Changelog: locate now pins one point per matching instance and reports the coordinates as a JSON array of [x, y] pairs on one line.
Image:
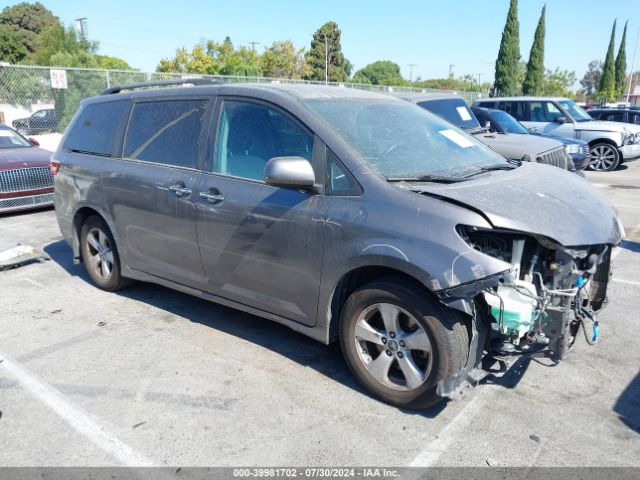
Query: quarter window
[[166, 132], [94, 131], [250, 134], [339, 180]]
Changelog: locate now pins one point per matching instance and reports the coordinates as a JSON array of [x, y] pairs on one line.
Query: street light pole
[[633, 64], [326, 58]]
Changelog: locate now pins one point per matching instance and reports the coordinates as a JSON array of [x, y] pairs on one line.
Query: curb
[[18, 256]]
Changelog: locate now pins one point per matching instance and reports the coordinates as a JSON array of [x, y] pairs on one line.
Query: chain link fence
[[37, 100]]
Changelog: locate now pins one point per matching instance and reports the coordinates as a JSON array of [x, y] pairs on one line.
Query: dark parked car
[[454, 109], [623, 115], [25, 178], [501, 122], [343, 214], [41, 121]]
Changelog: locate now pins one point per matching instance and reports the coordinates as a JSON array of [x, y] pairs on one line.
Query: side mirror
[[560, 120], [34, 142], [487, 125], [294, 172]]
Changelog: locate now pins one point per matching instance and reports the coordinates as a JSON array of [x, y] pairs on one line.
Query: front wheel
[[604, 157], [100, 256], [399, 343]]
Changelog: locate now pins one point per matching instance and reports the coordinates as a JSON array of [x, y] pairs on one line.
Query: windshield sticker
[[457, 138], [464, 113], [6, 133]]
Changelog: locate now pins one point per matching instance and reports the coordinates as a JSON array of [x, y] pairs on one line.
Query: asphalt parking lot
[[149, 376]]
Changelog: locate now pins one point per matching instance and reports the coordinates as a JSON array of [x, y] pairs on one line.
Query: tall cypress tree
[[607, 90], [621, 64], [506, 78], [534, 78]]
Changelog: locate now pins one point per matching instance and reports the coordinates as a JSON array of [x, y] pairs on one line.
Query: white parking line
[[454, 430], [80, 420], [627, 282], [626, 206]]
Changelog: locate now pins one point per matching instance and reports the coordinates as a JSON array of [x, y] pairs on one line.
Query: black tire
[[604, 157], [445, 329], [96, 257]]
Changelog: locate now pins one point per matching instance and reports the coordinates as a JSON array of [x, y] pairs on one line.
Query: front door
[[153, 192], [261, 245], [542, 118]]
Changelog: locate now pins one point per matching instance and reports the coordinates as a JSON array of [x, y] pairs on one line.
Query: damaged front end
[[535, 308]]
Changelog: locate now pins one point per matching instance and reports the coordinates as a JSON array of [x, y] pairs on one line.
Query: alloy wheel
[[393, 347], [603, 158], [100, 253]]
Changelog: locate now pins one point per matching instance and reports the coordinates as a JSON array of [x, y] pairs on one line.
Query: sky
[[431, 34]]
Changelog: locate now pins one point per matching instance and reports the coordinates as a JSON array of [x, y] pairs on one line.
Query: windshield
[[506, 123], [578, 114], [401, 140], [11, 139], [453, 110]]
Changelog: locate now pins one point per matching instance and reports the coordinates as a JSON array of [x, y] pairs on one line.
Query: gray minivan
[[343, 214]]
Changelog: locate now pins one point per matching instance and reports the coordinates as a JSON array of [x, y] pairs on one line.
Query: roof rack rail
[[162, 83]]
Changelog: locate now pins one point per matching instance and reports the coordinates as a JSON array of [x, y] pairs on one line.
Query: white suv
[[610, 142]]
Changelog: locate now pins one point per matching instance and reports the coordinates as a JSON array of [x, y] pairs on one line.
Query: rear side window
[[517, 110], [95, 129], [166, 132]]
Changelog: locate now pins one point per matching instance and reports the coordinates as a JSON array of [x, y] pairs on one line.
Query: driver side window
[[250, 134]]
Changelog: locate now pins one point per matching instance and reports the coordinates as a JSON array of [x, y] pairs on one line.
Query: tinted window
[[250, 134], [166, 132], [517, 110], [488, 104], [634, 118], [483, 118], [339, 180], [612, 116], [454, 110], [95, 128], [506, 123]]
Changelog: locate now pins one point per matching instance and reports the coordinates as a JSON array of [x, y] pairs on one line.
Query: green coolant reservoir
[[513, 311]]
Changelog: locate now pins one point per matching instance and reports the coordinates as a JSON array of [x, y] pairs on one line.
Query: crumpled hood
[[604, 126], [515, 146], [538, 199]]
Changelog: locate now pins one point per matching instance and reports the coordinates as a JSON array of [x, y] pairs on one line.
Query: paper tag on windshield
[[6, 133], [456, 138], [464, 113]]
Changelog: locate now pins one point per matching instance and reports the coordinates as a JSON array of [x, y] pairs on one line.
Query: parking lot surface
[[149, 376]]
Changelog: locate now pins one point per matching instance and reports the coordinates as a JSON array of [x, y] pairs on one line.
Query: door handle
[[180, 190], [212, 197]]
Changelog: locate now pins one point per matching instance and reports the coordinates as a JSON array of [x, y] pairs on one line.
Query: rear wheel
[[399, 343], [604, 157], [100, 256]]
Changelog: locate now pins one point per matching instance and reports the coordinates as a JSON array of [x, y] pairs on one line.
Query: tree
[[283, 60], [559, 83], [534, 78], [112, 63], [12, 49], [621, 64], [327, 36], [607, 88], [26, 21], [508, 60], [591, 80], [382, 72]]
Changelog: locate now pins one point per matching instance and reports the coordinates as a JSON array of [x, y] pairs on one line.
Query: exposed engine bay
[[539, 306]]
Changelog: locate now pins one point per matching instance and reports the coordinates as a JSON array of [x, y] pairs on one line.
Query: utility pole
[[479, 81], [253, 45], [633, 64], [451, 70], [82, 25], [411, 65], [326, 58]]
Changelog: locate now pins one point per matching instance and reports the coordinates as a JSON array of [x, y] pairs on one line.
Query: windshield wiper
[[491, 168], [427, 178]]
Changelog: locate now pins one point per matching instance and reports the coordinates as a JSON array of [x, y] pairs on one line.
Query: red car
[[26, 180]]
